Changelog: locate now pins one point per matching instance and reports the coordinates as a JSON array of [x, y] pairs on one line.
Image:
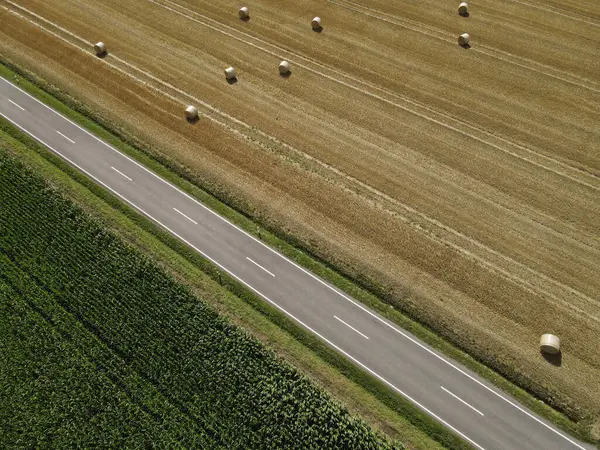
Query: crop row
[[62, 389], [230, 389]]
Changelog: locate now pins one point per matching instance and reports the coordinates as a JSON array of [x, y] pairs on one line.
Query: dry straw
[[100, 48], [191, 112], [230, 73], [550, 344], [284, 67]]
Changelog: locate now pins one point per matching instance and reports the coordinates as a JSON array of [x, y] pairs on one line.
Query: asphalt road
[[480, 413]]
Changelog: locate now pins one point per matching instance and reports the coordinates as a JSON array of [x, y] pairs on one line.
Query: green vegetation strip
[[98, 338], [414, 422], [395, 415], [366, 291]]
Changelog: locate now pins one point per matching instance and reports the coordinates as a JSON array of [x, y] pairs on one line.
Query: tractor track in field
[[560, 12], [531, 280], [586, 176], [582, 176], [487, 50]]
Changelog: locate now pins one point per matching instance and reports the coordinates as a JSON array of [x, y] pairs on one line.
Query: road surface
[[484, 416]]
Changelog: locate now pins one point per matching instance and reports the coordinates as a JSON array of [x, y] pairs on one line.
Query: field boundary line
[[559, 301], [334, 289], [412, 102], [561, 165], [185, 241], [258, 143]]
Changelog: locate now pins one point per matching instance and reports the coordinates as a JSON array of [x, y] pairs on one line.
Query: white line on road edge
[[68, 139], [182, 239], [18, 106], [351, 327], [341, 294], [461, 400], [188, 218], [119, 172], [253, 262]]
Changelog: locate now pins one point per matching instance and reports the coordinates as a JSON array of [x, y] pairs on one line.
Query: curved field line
[[445, 37], [536, 289], [559, 168], [555, 10]]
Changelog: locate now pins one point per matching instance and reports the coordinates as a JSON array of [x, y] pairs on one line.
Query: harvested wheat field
[[463, 183]]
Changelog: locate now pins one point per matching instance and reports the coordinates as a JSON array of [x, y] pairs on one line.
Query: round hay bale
[[463, 9], [191, 112], [464, 39], [550, 344], [230, 73], [284, 67], [316, 23], [244, 13], [100, 48]]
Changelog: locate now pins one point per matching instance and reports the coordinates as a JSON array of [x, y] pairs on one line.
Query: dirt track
[[466, 177]]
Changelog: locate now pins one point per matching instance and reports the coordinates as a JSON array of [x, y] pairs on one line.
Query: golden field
[[462, 183]]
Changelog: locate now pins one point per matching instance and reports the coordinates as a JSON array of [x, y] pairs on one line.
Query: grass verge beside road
[[348, 384], [102, 348], [178, 176]]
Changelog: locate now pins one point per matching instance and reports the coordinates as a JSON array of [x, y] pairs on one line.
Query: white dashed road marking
[[188, 218], [18, 106], [351, 327], [461, 400], [255, 263], [121, 173], [68, 139]]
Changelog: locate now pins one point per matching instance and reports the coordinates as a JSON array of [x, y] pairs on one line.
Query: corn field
[[100, 348]]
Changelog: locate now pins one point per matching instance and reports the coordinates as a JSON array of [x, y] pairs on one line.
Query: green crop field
[[100, 348]]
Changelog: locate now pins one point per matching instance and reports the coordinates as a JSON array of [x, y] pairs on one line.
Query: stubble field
[[462, 183]]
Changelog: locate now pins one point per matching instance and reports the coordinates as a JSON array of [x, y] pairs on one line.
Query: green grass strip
[[400, 418], [396, 405], [232, 391], [287, 245]]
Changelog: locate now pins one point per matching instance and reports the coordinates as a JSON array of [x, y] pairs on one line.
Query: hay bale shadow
[[466, 14], [232, 80], [319, 29], [554, 359], [286, 75], [102, 55], [192, 121], [245, 19], [467, 46]]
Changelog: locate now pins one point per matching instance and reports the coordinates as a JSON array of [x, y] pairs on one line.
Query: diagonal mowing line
[[333, 345], [490, 265], [560, 164], [443, 36], [341, 294], [554, 11]]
